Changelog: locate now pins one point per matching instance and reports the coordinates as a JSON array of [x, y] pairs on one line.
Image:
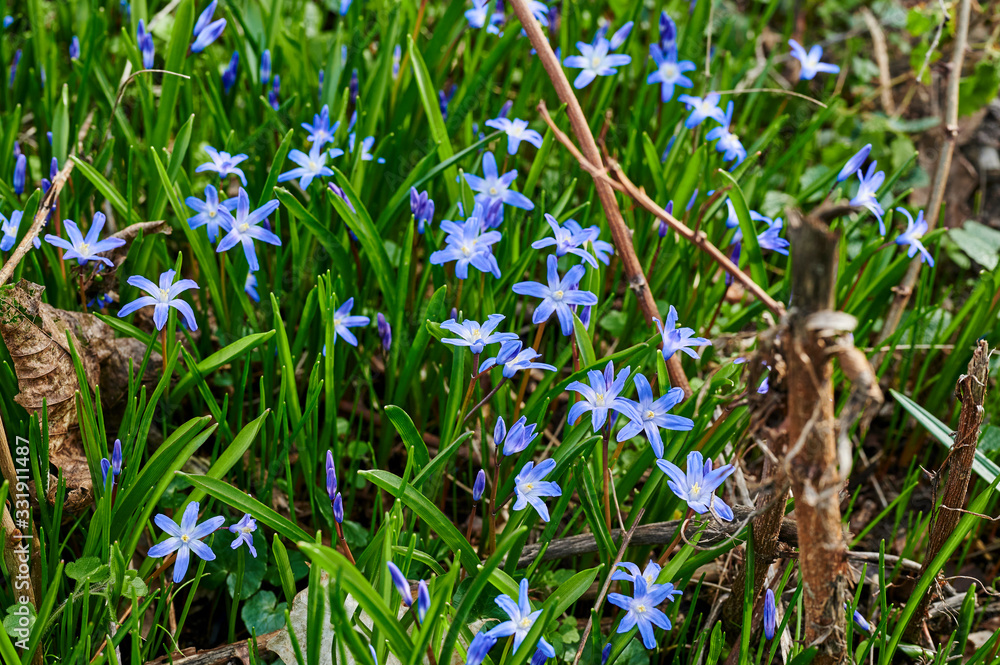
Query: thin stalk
[[493, 502], [525, 375], [347, 549], [607, 474], [485, 399], [163, 344]]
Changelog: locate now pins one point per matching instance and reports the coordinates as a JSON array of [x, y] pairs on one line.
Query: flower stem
[[163, 344], [677, 537], [607, 475], [493, 502], [343, 541], [485, 399], [524, 377]]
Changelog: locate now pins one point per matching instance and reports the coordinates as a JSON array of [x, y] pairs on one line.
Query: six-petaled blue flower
[[558, 295]]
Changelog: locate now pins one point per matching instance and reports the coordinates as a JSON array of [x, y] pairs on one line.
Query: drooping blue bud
[[338, 508], [423, 600], [854, 163], [479, 486], [770, 615], [229, 76], [331, 476], [402, 586], [19, 173], [74, 48], [265, 66]]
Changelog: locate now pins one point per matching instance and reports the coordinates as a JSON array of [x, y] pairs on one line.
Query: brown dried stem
[[620, 233]]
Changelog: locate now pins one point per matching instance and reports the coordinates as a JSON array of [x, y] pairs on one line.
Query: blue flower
[[397, 56], [770, 615], [423, 600], [479, 486], [272, 97], [771, 238], [697, 487], [162, 297], [911, 236], [245, 229], [678, 339], [641, 609], [494, 187], [74, 48], [558, 295], [343, 321], [530, 488], [477, 16], [467, 244], [211, 213], [515, 359], [8, 21], [147, 50], [185, 539], [566, 240], [265, 66], [311, 166], [603, 250], [702, 109], [729, 143], [331, 476], [401, 584], [320, 132], [229, 75], [668, 32], [606, 651], [345, 6], [860, 620], [244, 533], [521, 617], [113, 465], [223, 163], [366, 146], [82, 248], [13, 67], [669, 72], [205, 30], [811, 64], [9, 229], [653, 415], [632, 571], [621, 34], [444, 98], [20, 170], [479, 647], [384, 331], [595, 60], [870, 182], [854, 163], [602, 396], [250, 287], [517, 131], [338, 508], [475, 336], [422, 207]]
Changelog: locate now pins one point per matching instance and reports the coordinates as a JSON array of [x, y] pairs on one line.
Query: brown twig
[[905, 288], [626, 186], [971, 391], [620, 233]]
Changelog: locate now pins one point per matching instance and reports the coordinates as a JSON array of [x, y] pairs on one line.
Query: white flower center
[[600, 398], [696, 489], [336, 322], [244, 227], [185, 538], [669, 71], [529, 487], [526, 622], [312, 165], [164, 295], [641, 609], [557, 295], [650, 415], [211, 213], [493, 191], [85, 249], [595, 62]]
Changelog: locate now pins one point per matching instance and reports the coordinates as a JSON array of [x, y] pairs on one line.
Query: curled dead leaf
[[35, 334]]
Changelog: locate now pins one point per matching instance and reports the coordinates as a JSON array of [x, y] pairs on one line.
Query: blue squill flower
[[207, 31], [101, 302], [8, 21], [310, 167], [250, 287], [422, 207], [352, 93], [87, 248], [513, 358], [697, 486], [338, 509], [621, 34], [729, 143], [517, 131], [522, 618], [772, 240], [669, 72], [602, 396], [654, 416], [479, 13], [854, 163], [479, 486], [345, 6], [678, 339], [770, 615], [147, 50], [911, 236], [558, 295], [640, 609], [384, 331], [244, 533], [566, 241], [475, 336], [811, 64], [113, 465], [479, 647], [185, 539], [223, 163], [668, 32], [496, 187], [402, 585], [423, 600], [265, 67], [595, 60], [211, 213], [605, 653], [603, 250], [162, 297], [631, 572], [866, 198], [74, 48], [397, 56], [13, 67], [467, 244], [10, 229], [860, 620], [272, 97], [331, 476], [444, 98], [20, 169], [246, 228], [229, 75], [530, 488], [366, 146], [320, 131], [702, 109], [343, 320]]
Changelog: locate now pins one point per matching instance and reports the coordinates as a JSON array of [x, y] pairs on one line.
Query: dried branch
[[620, 233]]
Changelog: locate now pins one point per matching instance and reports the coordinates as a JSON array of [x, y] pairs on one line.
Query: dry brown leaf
[[35, 335]]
